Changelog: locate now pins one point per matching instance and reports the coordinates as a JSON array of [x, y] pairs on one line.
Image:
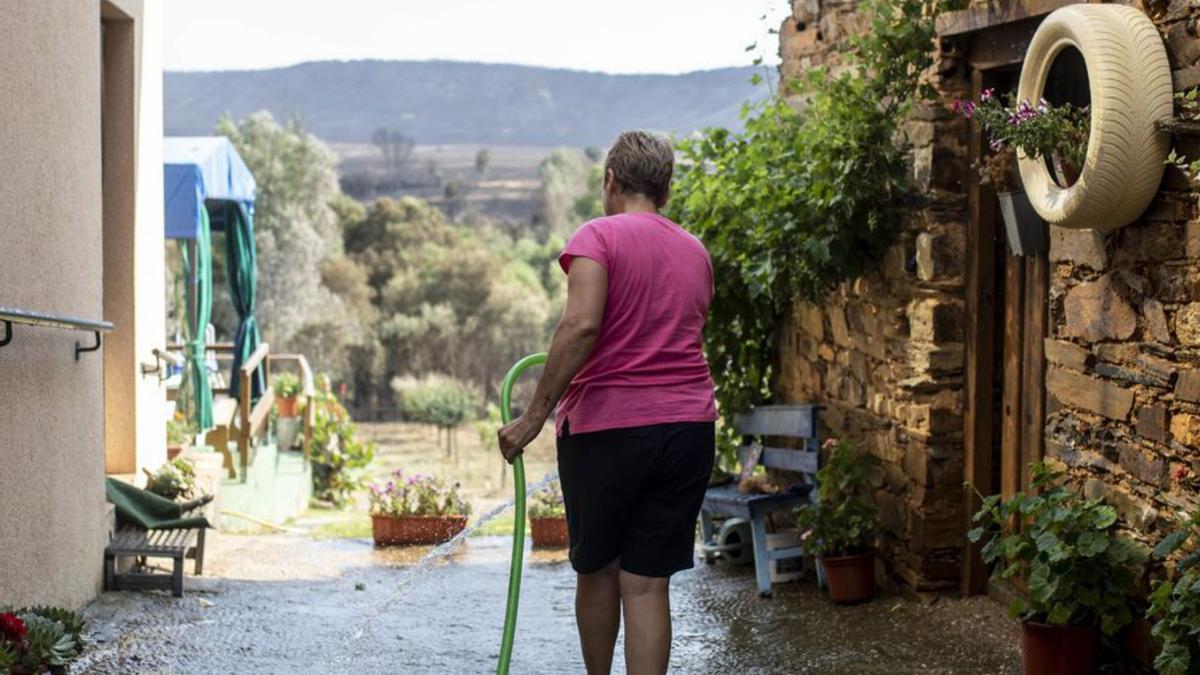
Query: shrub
[[844, 521], [436, 399], [1175, 604], [39, 639], [548, 503], [1078, 571], [176, 478], [338, 456], [417, 495]]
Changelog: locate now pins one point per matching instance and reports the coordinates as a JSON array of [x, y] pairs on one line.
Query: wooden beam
[[1001, 46], [991, 15], [1037, 280], [980, 345], [1012, 424]]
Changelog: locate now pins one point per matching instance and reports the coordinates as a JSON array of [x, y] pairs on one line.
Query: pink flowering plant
[[417, 495], [1037, 131]]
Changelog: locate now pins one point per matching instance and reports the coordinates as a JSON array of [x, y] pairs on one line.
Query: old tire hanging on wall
[[1130, 88]]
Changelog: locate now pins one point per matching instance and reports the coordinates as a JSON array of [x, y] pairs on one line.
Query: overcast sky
[[616, 36]]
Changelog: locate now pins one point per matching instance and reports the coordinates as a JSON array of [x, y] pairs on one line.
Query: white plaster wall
[[149, 268], [52, 509]]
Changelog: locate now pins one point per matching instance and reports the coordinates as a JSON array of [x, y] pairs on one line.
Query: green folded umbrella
[[149, 511]]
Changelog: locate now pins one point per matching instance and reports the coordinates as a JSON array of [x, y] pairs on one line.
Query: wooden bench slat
[[795, 421], [789, 459]]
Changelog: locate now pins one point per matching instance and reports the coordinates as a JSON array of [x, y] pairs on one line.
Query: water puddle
[[440, 553]]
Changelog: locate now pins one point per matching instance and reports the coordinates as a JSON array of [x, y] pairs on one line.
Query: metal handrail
[[10, 316]]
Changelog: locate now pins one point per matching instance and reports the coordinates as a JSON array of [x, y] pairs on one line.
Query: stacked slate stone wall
[[885, 353]]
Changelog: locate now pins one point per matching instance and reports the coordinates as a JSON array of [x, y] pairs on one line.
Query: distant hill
[[454, 102]]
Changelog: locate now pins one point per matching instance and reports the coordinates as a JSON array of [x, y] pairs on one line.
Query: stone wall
[[884, 353]]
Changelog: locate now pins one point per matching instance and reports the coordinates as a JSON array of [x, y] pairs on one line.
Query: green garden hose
[[518, 549]]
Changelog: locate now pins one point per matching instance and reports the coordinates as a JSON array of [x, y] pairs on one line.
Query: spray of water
[[439, 553]]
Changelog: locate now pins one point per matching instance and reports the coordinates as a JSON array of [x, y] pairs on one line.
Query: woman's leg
[[598, 615], [647, 605]]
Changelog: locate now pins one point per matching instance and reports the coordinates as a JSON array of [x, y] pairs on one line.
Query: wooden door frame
[[994, 40]]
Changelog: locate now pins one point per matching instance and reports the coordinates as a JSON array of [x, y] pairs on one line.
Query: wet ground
[[288, 603]]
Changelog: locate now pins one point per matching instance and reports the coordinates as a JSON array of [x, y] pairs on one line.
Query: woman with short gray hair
[[635, 410]]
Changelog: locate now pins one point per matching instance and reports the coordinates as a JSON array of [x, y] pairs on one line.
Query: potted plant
[[287, 394], [840, 529], [174, 480], [416, 510], [1078, 572], [179, 432], [39, 640], [1055, 134], [1175, 604], [548, 517]]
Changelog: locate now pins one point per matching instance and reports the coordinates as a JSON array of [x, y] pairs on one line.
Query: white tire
[[1130, 85]]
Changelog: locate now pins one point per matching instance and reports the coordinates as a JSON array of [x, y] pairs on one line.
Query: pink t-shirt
[[648, 364]]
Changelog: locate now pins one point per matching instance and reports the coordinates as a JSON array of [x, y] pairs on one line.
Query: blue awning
[[197, 169]]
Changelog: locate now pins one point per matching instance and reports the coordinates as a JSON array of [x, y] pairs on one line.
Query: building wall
[[53, 517], [885, 353], [1123, 352], [134, 270]]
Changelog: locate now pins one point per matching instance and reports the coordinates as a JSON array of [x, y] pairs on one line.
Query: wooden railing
[[250, 419]]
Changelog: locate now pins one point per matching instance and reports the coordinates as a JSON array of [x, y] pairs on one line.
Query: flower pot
[[1057, 650], [287, 406], [851, 578], [287, 431], [549, 532], [174, 451], [415, 530], [1027, 232]]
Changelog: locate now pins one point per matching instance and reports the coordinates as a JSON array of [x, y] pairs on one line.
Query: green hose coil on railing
[[518, 550]]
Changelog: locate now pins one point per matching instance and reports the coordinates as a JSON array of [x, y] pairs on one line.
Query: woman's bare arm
[[574, 338]]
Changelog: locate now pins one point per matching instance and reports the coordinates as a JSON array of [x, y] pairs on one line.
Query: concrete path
[[292, 604]]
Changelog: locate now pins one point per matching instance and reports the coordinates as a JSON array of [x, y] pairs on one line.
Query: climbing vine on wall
[[801, 200]]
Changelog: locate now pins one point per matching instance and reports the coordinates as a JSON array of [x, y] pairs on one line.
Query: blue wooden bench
[[780, 421]]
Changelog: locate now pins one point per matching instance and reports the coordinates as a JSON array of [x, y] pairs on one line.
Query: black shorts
[[634, 494]]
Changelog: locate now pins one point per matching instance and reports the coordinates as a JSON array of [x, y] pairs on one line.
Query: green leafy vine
[[801, 200]]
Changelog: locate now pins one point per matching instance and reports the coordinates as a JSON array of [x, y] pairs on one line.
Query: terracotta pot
[[851, 578], [173, 451], [414, 530], [549, 532], [287, 406], [1057, 650]]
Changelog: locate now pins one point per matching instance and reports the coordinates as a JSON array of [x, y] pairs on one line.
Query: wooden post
[[1034, 356], [1012, 430], [980, 305]]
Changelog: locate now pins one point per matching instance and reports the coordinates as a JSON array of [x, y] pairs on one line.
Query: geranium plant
[[548, 503], [1036, 131], [39, 640], [417, 495], [844, 521], [1175, 603], [1078, 571]]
